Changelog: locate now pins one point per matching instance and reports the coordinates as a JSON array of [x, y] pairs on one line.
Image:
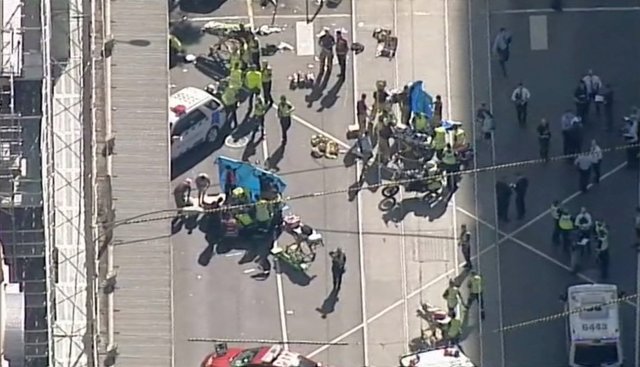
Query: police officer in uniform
[[439, 141], [454, 331], [452, 296], [342, 49], [503, 198], [253, 82], [253, 48], [520, 188], [464, 242], [450, 166], [475, 292], [555, 212], [544, 138], [285, 109], [230, 102], [602, 251], [267, 75], [259, 110], [566, 226], [338, 267]]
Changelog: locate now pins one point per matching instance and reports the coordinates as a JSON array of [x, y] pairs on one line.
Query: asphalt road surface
[[403, 257]]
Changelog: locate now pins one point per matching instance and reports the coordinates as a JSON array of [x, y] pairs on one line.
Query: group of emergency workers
[[448, 144], [251, 78], [569, 230], [261, 214], [453, 327]]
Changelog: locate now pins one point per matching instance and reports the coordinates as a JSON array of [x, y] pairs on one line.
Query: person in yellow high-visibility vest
[[267, 75], [450, 165], [245, 55], [439, 140], [452, 296], [476, 285], [459, 138], [566, 226], [285, 110], [259, 110], [421, 123], [230, 102], [263, 214], [454, 331], [235, 60], [253, 82]]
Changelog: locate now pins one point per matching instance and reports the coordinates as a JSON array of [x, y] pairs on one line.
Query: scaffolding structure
[[71, 335]]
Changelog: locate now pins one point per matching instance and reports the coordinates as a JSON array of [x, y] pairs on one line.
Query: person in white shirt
[[596, 156], [520, 97], [584, 223], [594, 84], [501, 48], [584, 162]]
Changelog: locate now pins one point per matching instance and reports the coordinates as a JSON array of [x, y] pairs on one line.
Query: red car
[[267, 356]]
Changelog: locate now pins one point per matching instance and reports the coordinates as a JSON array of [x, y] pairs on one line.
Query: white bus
[[195, 117], [593, 325]]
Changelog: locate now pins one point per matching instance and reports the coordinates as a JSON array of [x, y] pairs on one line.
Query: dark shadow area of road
[[329, 304], [197, 155], [206, 255], [330, 99], [245, 128], [200, 6], [250, 149], [296, 276], [431, 210], [187, 32]]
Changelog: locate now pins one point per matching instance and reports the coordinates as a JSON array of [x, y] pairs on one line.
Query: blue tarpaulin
[[247, 176], [421, 101]]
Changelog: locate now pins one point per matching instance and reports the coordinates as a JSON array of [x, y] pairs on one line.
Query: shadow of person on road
[[329, 304], [274, 159], [330, 99], [206, 255], [318, 89]]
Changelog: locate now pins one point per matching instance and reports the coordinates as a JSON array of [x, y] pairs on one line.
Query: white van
[[195, 117], [593, 325]]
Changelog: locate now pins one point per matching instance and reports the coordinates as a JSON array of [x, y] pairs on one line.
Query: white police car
[[195, 117], [593, 325]]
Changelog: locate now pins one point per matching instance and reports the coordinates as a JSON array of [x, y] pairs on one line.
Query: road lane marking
[[454, 216], [637, 344], [538, 33], [568, 10], [475, 164], [508, 237], [279, 286], [359, 168], [403, 241], [265, 17], [493, 162], [305, 39]]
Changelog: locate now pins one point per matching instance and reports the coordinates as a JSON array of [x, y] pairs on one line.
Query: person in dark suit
[[520, 187], [503, 196], [338, 267]]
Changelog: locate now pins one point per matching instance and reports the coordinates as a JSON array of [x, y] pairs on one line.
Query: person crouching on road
[[453, 297], [454, 330]]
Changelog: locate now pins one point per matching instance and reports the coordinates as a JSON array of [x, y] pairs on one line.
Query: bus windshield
[[596, 355]]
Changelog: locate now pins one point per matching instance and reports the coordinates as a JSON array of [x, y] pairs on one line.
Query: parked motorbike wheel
[[390, 191]]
